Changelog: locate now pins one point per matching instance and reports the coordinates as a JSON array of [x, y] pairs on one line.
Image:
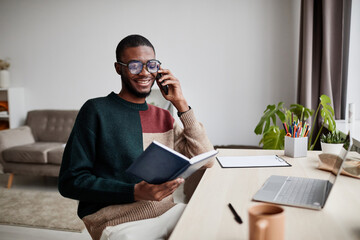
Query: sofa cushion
[[15, 136], [55, 155], [51, 125], [29, 153]]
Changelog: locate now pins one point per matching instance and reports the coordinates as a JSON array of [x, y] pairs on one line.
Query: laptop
[[303, 192]]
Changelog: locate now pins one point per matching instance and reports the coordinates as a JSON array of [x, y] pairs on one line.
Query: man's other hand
[[155, 192]]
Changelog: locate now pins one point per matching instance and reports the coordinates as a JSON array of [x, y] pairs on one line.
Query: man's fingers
[[166, 76], [168, 190], [175, 182], [146, 191], [172, 82]]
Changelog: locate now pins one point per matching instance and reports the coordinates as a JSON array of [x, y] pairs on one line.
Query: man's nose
[[144, 71]]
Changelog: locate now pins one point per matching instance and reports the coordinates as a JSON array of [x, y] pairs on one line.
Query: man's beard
[[132, 90]]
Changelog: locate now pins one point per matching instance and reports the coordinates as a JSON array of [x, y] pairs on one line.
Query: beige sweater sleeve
[[191, 141]]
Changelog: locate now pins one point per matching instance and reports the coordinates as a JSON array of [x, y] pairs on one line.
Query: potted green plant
[[273, 136], [327, 115], [332, 142]]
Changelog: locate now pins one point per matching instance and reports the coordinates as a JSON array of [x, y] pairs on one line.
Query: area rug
[[39, 209]]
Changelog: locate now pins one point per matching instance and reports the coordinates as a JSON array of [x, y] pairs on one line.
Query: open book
[[159, 164]]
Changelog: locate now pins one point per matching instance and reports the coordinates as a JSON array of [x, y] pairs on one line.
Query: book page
[[252, 161], [203, 156], [171, 150], [195, 165]]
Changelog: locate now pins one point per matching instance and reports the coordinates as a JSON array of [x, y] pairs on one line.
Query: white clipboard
[[252, 161]]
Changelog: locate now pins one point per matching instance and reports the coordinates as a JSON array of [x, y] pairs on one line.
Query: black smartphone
[[164, 88]]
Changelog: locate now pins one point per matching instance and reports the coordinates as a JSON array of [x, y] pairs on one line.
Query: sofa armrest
[[15, 137]]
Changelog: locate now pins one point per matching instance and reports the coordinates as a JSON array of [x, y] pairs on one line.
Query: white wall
[[354, 59], [233, 57]]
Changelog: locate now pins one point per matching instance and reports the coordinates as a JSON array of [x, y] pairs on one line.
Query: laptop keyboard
[[300, 191]]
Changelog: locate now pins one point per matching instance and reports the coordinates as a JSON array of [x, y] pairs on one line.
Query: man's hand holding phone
[[174, 93], [165, 89]]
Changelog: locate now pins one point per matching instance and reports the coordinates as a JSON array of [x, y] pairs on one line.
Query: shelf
[[16, 112]]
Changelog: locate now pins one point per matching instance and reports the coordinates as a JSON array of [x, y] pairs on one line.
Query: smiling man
[[111, 132]]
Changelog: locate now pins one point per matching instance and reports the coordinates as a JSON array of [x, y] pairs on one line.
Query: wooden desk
[[207, 215]]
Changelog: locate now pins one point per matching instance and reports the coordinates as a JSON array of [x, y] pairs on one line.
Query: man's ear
[[117, 68]]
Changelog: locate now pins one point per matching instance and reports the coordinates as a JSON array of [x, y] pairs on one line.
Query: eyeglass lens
[[135, 67]]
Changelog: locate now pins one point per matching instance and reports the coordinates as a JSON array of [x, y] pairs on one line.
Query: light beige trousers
[[150, 229]]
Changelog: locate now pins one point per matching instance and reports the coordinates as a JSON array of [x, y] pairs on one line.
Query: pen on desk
[[237, 217]]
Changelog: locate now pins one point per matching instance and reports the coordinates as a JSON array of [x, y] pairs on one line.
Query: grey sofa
[[36, 148]]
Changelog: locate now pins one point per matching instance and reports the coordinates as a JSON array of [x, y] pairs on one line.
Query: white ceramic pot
[[4, 79], [331, 148]]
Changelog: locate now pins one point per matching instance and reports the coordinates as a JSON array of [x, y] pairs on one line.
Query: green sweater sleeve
[[81, 176]]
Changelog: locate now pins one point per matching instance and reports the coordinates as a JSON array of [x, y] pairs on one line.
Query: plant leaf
[[301, 111], [273, 117], [327, 113], [269, 115], [274, 138], [288, 117], [281, 115]]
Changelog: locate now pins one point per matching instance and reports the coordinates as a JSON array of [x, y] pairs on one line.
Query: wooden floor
[[23, 233]]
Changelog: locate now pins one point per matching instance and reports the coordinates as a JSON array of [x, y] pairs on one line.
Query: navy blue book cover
[[158, 165]]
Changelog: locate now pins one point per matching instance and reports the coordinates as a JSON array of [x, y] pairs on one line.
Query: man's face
[[138, 85]]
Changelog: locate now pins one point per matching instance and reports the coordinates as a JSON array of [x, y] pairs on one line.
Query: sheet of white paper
[[252, 161]]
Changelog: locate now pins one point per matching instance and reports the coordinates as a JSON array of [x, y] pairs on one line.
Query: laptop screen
[[337, 162], [275, 189]]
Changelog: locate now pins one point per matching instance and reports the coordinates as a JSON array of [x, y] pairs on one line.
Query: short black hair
[[131, 41]]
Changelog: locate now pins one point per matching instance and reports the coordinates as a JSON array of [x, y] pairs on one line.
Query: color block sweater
[[108, 135]]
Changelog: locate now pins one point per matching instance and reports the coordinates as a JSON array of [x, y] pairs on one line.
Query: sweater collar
[[135, 106]]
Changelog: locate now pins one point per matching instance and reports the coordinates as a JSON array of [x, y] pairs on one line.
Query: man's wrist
[[181, 106], [181, 113]]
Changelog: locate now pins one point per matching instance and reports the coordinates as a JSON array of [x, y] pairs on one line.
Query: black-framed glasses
[[135, 66]]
